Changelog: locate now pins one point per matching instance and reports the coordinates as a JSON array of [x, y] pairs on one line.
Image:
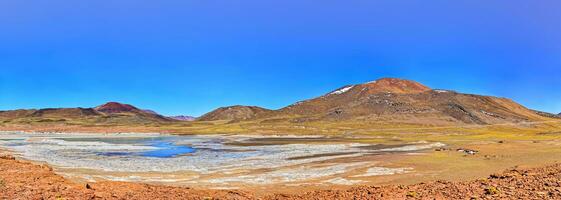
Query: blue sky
[[189, 57]]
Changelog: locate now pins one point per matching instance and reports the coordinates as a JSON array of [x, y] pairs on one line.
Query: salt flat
[[219, 161]]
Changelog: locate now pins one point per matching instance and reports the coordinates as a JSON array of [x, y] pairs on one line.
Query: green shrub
[[412, 194], [492, 190]]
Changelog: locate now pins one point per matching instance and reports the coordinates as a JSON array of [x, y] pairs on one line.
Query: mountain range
[[109, 113], [391, 100], [387, 100]]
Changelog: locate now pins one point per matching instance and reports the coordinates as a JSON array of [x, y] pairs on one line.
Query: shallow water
[[203, 160], [165, 146]]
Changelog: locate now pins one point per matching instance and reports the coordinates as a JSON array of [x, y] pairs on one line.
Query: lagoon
[[214, 161]]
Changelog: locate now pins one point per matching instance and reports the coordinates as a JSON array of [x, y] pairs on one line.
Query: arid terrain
[[465, 138], [24, 180]]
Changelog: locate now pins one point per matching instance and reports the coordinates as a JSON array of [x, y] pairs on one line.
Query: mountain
[[150, 111], [387, 101], [399, 100], [114, 107], [111, 112], [546, 114], [352, 95], [183, 118], [234, 113], [119, 109], [49, 113], [390, 100]]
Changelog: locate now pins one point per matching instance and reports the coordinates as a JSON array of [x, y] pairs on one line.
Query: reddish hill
[[353, 93], [114, 107], [397, 100], [136, 114]]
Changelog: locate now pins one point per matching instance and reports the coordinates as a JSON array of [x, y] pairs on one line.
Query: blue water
[[167, 150], [165, 147]]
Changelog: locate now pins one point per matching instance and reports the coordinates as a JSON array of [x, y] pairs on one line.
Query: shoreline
[[325, 167]]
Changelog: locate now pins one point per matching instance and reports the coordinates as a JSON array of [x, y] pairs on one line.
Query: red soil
[[24, 180]]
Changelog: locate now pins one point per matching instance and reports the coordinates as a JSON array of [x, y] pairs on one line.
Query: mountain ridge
[[386, 100], [234, 113], [399, 100], [110, 112], [183, 118]]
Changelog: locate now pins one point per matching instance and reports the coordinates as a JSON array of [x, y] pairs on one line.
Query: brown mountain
[[114, 107], [49, 113], [119, 109], [387, 101], [354, 94], [234, 113], [183, 118], [546, 114], [391, 100], [112, 112]]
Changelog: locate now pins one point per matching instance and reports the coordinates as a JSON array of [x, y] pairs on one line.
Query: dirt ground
[[25, 180]]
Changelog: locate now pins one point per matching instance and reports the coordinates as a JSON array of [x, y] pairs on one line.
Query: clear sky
[[191, 56]]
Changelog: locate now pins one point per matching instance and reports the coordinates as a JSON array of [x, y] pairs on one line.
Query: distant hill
[[390, 100], [183, 118], [114, 107], [546, 114], [109, 113], [234, 113]]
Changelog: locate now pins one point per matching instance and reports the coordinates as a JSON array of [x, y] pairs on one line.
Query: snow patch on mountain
[[441, 91], [342, 90]]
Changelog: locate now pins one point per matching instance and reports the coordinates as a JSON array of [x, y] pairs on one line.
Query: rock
[[468, 151], [7, 157]]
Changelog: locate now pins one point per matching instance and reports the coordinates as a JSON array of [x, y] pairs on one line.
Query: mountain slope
[[546, 114], [353, 93], [114, 109], [234, 113], [397, 100], [109, 113], [387, 101]]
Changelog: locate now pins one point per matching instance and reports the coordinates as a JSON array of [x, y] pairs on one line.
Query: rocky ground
[[25, 180]]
